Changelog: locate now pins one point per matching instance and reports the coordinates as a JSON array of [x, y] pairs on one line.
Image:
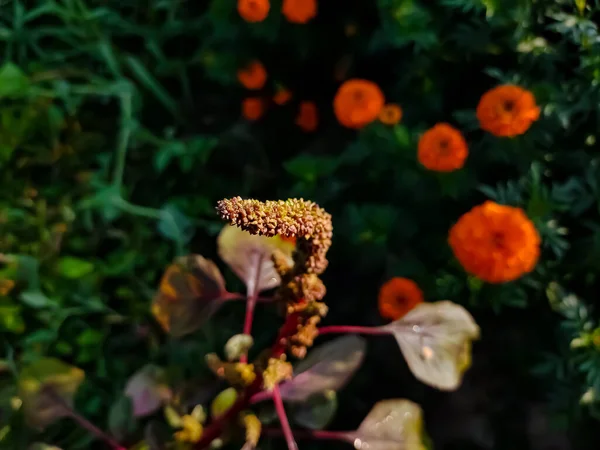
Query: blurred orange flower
[[253, 108], [253, 10], [496, 243], [299, 11], [397, 297], [253, 76], [307, 117], [358, 103], [391, 114], [507, 110], [282, 96], [442, 148]]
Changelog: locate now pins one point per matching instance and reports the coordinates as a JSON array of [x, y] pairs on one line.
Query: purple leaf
[[249, 256], [327, 367], [147, 390]]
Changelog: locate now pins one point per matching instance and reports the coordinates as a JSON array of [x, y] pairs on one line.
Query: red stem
[[232, 296], [337, 329], [309, 434], [250, 305], [215, 429], [260, 397], [283, 420], [93, 429]]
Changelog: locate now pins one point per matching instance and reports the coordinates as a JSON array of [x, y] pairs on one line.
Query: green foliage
[[120, 127]]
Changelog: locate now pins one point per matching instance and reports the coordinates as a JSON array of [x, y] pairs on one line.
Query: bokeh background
[[121, 125]]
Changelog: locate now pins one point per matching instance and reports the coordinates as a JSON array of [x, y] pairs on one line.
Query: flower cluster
[[301, 288]]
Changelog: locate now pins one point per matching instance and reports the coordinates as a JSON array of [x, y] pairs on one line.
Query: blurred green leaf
[[121, 422], [35, 299], [74, 268], [174, 225], [310, 167], [13, 82], [317, 412]]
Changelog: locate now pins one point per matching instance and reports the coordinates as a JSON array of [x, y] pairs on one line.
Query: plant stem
[[234, 296], [251, 305], [309, 434], [285, 425], [93, 429], [215, 429], [82, 421], [260, 397], [337, 329], [123, 143]]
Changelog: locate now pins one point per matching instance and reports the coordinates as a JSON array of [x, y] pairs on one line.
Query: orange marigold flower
[[358, 103], [299, 11], [507, 110], [307, 117], [496, 243], [253, 108], [282, 96], [253, 10], [253, 76], [397, 297], [442, 148], [391, 114]]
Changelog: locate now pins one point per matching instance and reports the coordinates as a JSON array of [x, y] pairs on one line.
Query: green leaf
[[35, 299], [121, 422], [317, 412], [46, 388], [28, 271], [74, 268], [13, 82], [175, 225], [11, 319], [311, 167], [106, 200], [147, 79]]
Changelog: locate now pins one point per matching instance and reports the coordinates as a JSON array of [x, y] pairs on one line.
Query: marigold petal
[[299, 11], [397, 297], [358, 103], [442, 148], [507, 110], [496, 243], [253, 10]]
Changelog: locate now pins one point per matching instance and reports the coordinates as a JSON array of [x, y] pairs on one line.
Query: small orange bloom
[[358, 103], [391, 114], [307, 117], [253, 10], [442, 148], [507, 110], [397, 297], [496, 243], [253, 76], [282, 96], [253, 108], [299, 11]]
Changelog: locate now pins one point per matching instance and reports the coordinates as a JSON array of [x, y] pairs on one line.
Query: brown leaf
[[46, 388], [190, 292]]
